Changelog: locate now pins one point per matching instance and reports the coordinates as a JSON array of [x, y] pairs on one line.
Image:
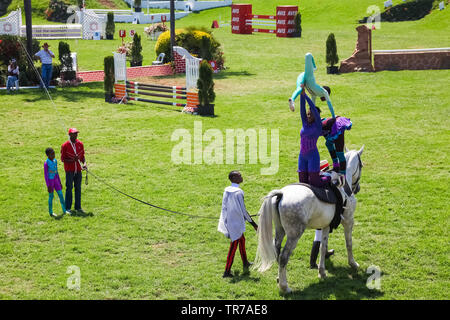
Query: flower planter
[[332, 70], [207, 110], [136, 64], [108, 96]]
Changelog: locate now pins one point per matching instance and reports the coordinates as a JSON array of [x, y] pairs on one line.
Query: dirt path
[[108, 3]]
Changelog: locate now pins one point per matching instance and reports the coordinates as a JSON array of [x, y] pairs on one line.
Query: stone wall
[[411, 60]]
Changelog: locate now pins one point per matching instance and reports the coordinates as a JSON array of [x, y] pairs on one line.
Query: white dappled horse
[[299, 209]]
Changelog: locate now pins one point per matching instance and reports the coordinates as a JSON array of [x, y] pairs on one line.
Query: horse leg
[[348, 229], [323, 252], [289, 247], [279, 236]]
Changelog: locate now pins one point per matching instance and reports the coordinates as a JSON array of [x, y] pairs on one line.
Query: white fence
[[92, 23], [141, 17], [64, 31], [88, 25], [190, 5], [11, 24], [192, 67]]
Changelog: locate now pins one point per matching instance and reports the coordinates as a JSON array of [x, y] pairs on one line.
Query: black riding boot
[[315, 252]]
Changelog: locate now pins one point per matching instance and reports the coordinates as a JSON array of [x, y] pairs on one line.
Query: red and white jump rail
[[270, 21], [243, 21], [134, 89]]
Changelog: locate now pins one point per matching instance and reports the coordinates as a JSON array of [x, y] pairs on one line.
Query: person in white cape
[[232, 221]]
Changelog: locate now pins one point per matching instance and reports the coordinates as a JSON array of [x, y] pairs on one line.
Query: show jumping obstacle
[[132, 91], [244, 22]]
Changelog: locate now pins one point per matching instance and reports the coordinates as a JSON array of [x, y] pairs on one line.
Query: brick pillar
[[180, 63]]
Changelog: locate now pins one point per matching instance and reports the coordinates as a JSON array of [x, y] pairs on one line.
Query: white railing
[[411, 50], [120, 66], [11, 23], [89, 24], [192, 67], [64, 31]]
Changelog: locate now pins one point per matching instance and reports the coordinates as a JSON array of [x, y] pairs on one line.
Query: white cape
[[234, 213]]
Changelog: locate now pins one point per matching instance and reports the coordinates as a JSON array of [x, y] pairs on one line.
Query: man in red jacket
[[72, 154]]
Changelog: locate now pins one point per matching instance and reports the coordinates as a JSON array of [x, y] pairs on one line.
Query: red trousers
[[233, 246]]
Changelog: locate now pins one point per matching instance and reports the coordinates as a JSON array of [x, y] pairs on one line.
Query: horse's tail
[[266, 253]]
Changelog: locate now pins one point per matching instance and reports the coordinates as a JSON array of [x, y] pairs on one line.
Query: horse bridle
[[355, 185]]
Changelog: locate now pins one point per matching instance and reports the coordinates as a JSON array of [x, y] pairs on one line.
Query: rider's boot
[[315, 252]]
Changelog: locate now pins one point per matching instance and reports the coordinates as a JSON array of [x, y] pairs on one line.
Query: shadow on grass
[[153, 105], [92, 90], [227, 74], [244, 276], [77, 214], [342, 282]]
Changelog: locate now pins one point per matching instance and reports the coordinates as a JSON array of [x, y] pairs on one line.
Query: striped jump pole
[[243, 21], [134, 91], [270, 21]]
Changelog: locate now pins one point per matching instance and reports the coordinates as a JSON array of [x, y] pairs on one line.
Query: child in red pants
[[232, 221]]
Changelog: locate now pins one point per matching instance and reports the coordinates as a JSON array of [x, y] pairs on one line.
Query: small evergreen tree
[[64, 55], [332, 57], [137, 5], [205, 84], [205, 49], [298, 25], [136, 49], [110, 26], [109, 79]]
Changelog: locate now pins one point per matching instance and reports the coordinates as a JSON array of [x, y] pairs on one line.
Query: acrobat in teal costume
[[333, 127], [306, 79]]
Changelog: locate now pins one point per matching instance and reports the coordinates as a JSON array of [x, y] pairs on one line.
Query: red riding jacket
[[68, 155]]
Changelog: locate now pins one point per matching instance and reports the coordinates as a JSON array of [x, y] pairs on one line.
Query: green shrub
[[205, 48], [298, 25], [408, 11], [14, 47], [331, 53], [57, 11], [192, 40], [109, 78], [136, 49], [110, 25], [205, 84], [66, 60]]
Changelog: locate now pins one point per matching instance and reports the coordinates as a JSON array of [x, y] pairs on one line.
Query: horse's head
[[354, 168]]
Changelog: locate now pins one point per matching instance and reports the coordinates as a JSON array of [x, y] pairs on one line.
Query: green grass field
[[127, 250]]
